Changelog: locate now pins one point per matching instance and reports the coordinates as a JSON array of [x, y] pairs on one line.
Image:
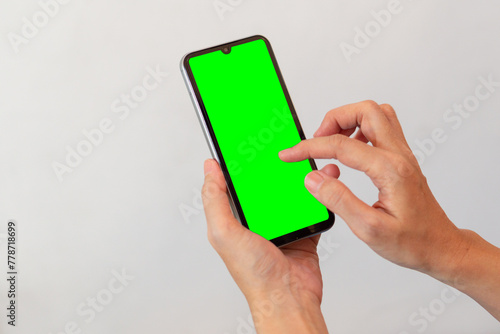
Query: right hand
[[406, 225]]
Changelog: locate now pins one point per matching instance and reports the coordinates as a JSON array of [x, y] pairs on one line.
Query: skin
[[407, 226]]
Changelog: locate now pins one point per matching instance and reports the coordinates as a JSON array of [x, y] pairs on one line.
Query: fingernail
[[283, 154], [318, 132], [313, 181]]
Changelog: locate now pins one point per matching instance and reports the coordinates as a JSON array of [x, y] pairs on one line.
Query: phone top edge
[[182, 64], [187, 56], [184, 67]]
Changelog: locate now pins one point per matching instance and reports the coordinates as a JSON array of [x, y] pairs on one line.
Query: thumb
[[339, 199], [224, 231]]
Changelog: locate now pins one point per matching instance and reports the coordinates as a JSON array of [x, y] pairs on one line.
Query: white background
[[121, 207]]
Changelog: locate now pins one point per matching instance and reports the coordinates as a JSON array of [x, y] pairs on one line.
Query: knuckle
[[368, 130], [331, 113], [208, 191], [388, 108], [336, 143], [336, 139], [395, 165], [217, 235], [371, 105], [403, 167], [205, 190], [212, 237]]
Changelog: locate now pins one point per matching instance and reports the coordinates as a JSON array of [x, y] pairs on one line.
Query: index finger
[[367, 115], [351, 152]]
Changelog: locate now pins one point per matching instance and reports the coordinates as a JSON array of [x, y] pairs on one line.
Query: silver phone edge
[[204, 127]]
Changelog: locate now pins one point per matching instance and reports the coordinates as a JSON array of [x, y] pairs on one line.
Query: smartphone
[[247, 117]]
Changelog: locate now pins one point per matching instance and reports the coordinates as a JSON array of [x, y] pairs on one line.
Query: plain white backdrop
[[132, 204]]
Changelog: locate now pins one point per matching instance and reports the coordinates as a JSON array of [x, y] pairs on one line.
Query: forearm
[[477, 272], [278, 312]]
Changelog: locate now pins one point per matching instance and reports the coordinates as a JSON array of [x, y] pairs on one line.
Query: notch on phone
[[226, 50]]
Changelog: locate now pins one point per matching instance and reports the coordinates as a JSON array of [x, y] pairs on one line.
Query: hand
[[406, 225], [283, 286]]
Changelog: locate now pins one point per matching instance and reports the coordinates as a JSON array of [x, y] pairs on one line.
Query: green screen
[[252, 122]]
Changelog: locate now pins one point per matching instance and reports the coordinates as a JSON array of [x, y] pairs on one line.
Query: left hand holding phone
[[283, 286]]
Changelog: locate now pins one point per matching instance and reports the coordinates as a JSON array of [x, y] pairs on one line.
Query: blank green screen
[[252, 122]]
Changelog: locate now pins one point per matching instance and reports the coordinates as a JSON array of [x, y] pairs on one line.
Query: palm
[[303, 259], [295, 265]]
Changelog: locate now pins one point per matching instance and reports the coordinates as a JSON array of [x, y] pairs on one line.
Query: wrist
[[472, 266], [447, 262], [279, 311], [460, 266], [477, 266], [466, 260]]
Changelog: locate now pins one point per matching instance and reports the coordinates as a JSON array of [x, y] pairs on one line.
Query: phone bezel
[[306, 232]]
